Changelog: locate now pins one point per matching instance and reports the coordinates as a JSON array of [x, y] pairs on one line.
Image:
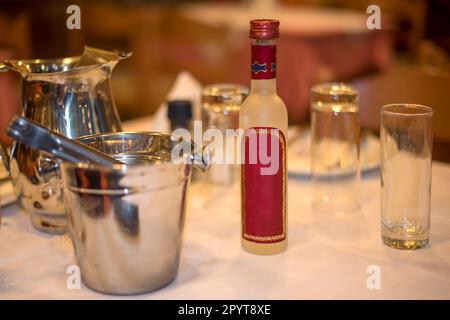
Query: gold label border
[[282, 236]]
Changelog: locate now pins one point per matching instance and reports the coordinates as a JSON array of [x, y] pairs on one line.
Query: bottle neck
[[264, 87], [263, 66]]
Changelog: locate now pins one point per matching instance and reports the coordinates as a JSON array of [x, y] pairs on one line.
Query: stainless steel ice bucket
[[126, 222]]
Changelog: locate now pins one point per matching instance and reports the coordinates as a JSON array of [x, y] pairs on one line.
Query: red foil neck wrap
[[264, 62]]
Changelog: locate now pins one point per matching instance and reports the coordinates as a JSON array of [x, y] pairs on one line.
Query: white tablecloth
[[327, 257]]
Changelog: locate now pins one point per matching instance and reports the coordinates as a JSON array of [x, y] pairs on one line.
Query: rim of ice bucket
[[12, 63], [138, 170], [120, 167]]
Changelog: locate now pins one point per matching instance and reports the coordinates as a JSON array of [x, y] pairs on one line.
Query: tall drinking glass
[[406, 147], [220, 110], [335, 148]]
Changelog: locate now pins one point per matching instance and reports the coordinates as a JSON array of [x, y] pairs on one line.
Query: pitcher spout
[[90, 59]]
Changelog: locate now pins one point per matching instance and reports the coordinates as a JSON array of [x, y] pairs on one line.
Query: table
[[316, 45], [327, 257], [300, 20]]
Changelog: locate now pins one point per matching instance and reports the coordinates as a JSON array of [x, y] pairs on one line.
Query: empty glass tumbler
[[335, 148], [406, 147], [220, 111]]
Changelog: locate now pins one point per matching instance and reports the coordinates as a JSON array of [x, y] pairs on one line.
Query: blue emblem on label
[[256, 67], [273, 67]]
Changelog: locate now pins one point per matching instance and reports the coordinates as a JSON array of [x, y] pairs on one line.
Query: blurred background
[[321, 40]]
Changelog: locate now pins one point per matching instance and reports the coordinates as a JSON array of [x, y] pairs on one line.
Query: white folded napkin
[[186, 87]]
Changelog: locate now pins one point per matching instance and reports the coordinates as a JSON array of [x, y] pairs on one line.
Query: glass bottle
[[264, 119]]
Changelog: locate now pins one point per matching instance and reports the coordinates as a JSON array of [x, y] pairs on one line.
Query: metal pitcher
[[73, 97]]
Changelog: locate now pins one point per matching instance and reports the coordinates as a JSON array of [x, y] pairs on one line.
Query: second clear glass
[[406, 147], [335, 170], [220, 110]]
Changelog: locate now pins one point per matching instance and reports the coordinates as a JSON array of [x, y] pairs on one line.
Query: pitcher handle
[[4, 155]]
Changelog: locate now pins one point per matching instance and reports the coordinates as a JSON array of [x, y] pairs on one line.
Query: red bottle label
[[264, 62], [264, 185]]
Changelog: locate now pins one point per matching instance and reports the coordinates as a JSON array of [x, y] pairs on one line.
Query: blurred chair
[[163, 43], [166, 43], [14, 43], [431, 55], [15, 34], [127, 27], [407, 17], [409, 84]]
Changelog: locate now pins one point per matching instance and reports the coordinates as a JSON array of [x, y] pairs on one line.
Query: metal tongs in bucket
[[39, 137]]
